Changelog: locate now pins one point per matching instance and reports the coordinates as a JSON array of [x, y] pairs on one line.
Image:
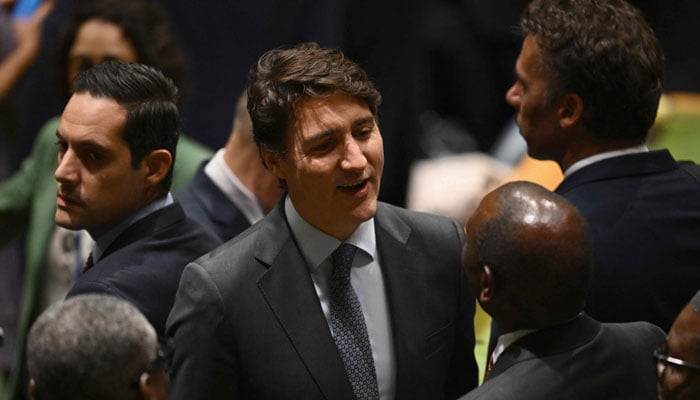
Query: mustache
[[65, 192]]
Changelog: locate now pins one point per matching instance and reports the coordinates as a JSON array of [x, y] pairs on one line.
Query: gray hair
[[89, 347]]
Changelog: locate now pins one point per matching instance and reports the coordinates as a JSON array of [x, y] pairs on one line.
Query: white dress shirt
[[366, 279]]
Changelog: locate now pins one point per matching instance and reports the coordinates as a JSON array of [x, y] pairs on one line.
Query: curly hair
[[89, 347], [282, 77], [144, 23], [606, 52]]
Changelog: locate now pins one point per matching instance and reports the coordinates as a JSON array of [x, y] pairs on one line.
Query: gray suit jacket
[[579, 360], [247, 321]]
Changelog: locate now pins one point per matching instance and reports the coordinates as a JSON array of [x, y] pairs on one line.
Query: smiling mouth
[[355, 187]]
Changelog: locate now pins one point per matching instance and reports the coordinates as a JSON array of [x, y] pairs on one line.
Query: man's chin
[[64, 220]]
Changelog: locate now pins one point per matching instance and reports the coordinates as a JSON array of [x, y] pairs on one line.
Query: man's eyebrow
[[363, 121], [320, 135], [85, 144]]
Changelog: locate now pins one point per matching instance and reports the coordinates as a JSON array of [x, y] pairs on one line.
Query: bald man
[[678, 360], [233, 190], [528, 260]]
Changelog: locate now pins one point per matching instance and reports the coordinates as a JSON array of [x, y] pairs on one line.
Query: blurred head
[[243, 158], [117, 138], [94, 346], [527, 257], [314, 116], [120, 30], [595, 63], [678, 360]]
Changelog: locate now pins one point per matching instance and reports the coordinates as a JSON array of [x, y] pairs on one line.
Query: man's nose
[[513, 96], [67, 168], [353, 157]]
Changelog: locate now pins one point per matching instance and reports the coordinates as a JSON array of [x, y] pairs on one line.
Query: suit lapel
[[218, 206], [288, 290], [404, 291]]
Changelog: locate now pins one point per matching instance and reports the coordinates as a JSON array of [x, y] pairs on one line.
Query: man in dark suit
[[588, 82], [332, 295], [233, 190], [678, 359], [116, 146], [528, 260]]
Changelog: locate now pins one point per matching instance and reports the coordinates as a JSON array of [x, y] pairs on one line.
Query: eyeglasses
[[663, 360], [166, 347]]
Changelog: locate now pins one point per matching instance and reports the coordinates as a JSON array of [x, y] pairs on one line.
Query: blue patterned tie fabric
[[349, 329]]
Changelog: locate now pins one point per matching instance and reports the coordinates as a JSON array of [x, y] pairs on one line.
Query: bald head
[[683, 342], [243, 158], [527, 256]]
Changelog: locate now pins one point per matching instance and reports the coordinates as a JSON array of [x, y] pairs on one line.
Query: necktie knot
[[342, 262]]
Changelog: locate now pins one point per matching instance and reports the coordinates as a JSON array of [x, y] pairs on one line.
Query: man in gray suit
[[528, 260], [332, 295]]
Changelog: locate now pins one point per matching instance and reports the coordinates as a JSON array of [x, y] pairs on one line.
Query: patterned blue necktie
[[349, 329]]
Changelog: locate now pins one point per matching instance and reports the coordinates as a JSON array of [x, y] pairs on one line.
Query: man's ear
[[32, 389], [570, 110], [154, 386], [273, 163], [157, 164], [488, 285]]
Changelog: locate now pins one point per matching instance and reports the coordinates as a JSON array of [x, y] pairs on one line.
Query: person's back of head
[[528, 257], [150, 101], [244, 159], [606, 53], [678, 360], [94, 346]]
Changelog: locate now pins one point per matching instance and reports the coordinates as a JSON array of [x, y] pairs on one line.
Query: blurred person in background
[[97, 30], [95, 346]]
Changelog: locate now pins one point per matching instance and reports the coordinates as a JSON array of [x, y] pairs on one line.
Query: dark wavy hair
[[606, 52], [282, 77], [144, 23], [150, 100]]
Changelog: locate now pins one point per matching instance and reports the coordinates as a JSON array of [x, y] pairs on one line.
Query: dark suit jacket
[[205, 203], [248, 324], [144, 263], [580, 360], [644, 215]]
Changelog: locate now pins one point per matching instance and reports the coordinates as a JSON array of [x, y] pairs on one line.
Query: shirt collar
[[219, 172], [602, 156], [317, 246], [102, 243], [508, 339]]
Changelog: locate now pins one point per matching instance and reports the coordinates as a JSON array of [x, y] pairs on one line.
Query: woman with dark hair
[[142, 24], [98, 30]]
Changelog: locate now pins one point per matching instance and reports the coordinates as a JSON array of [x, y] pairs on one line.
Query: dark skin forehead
[[683, 338]]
